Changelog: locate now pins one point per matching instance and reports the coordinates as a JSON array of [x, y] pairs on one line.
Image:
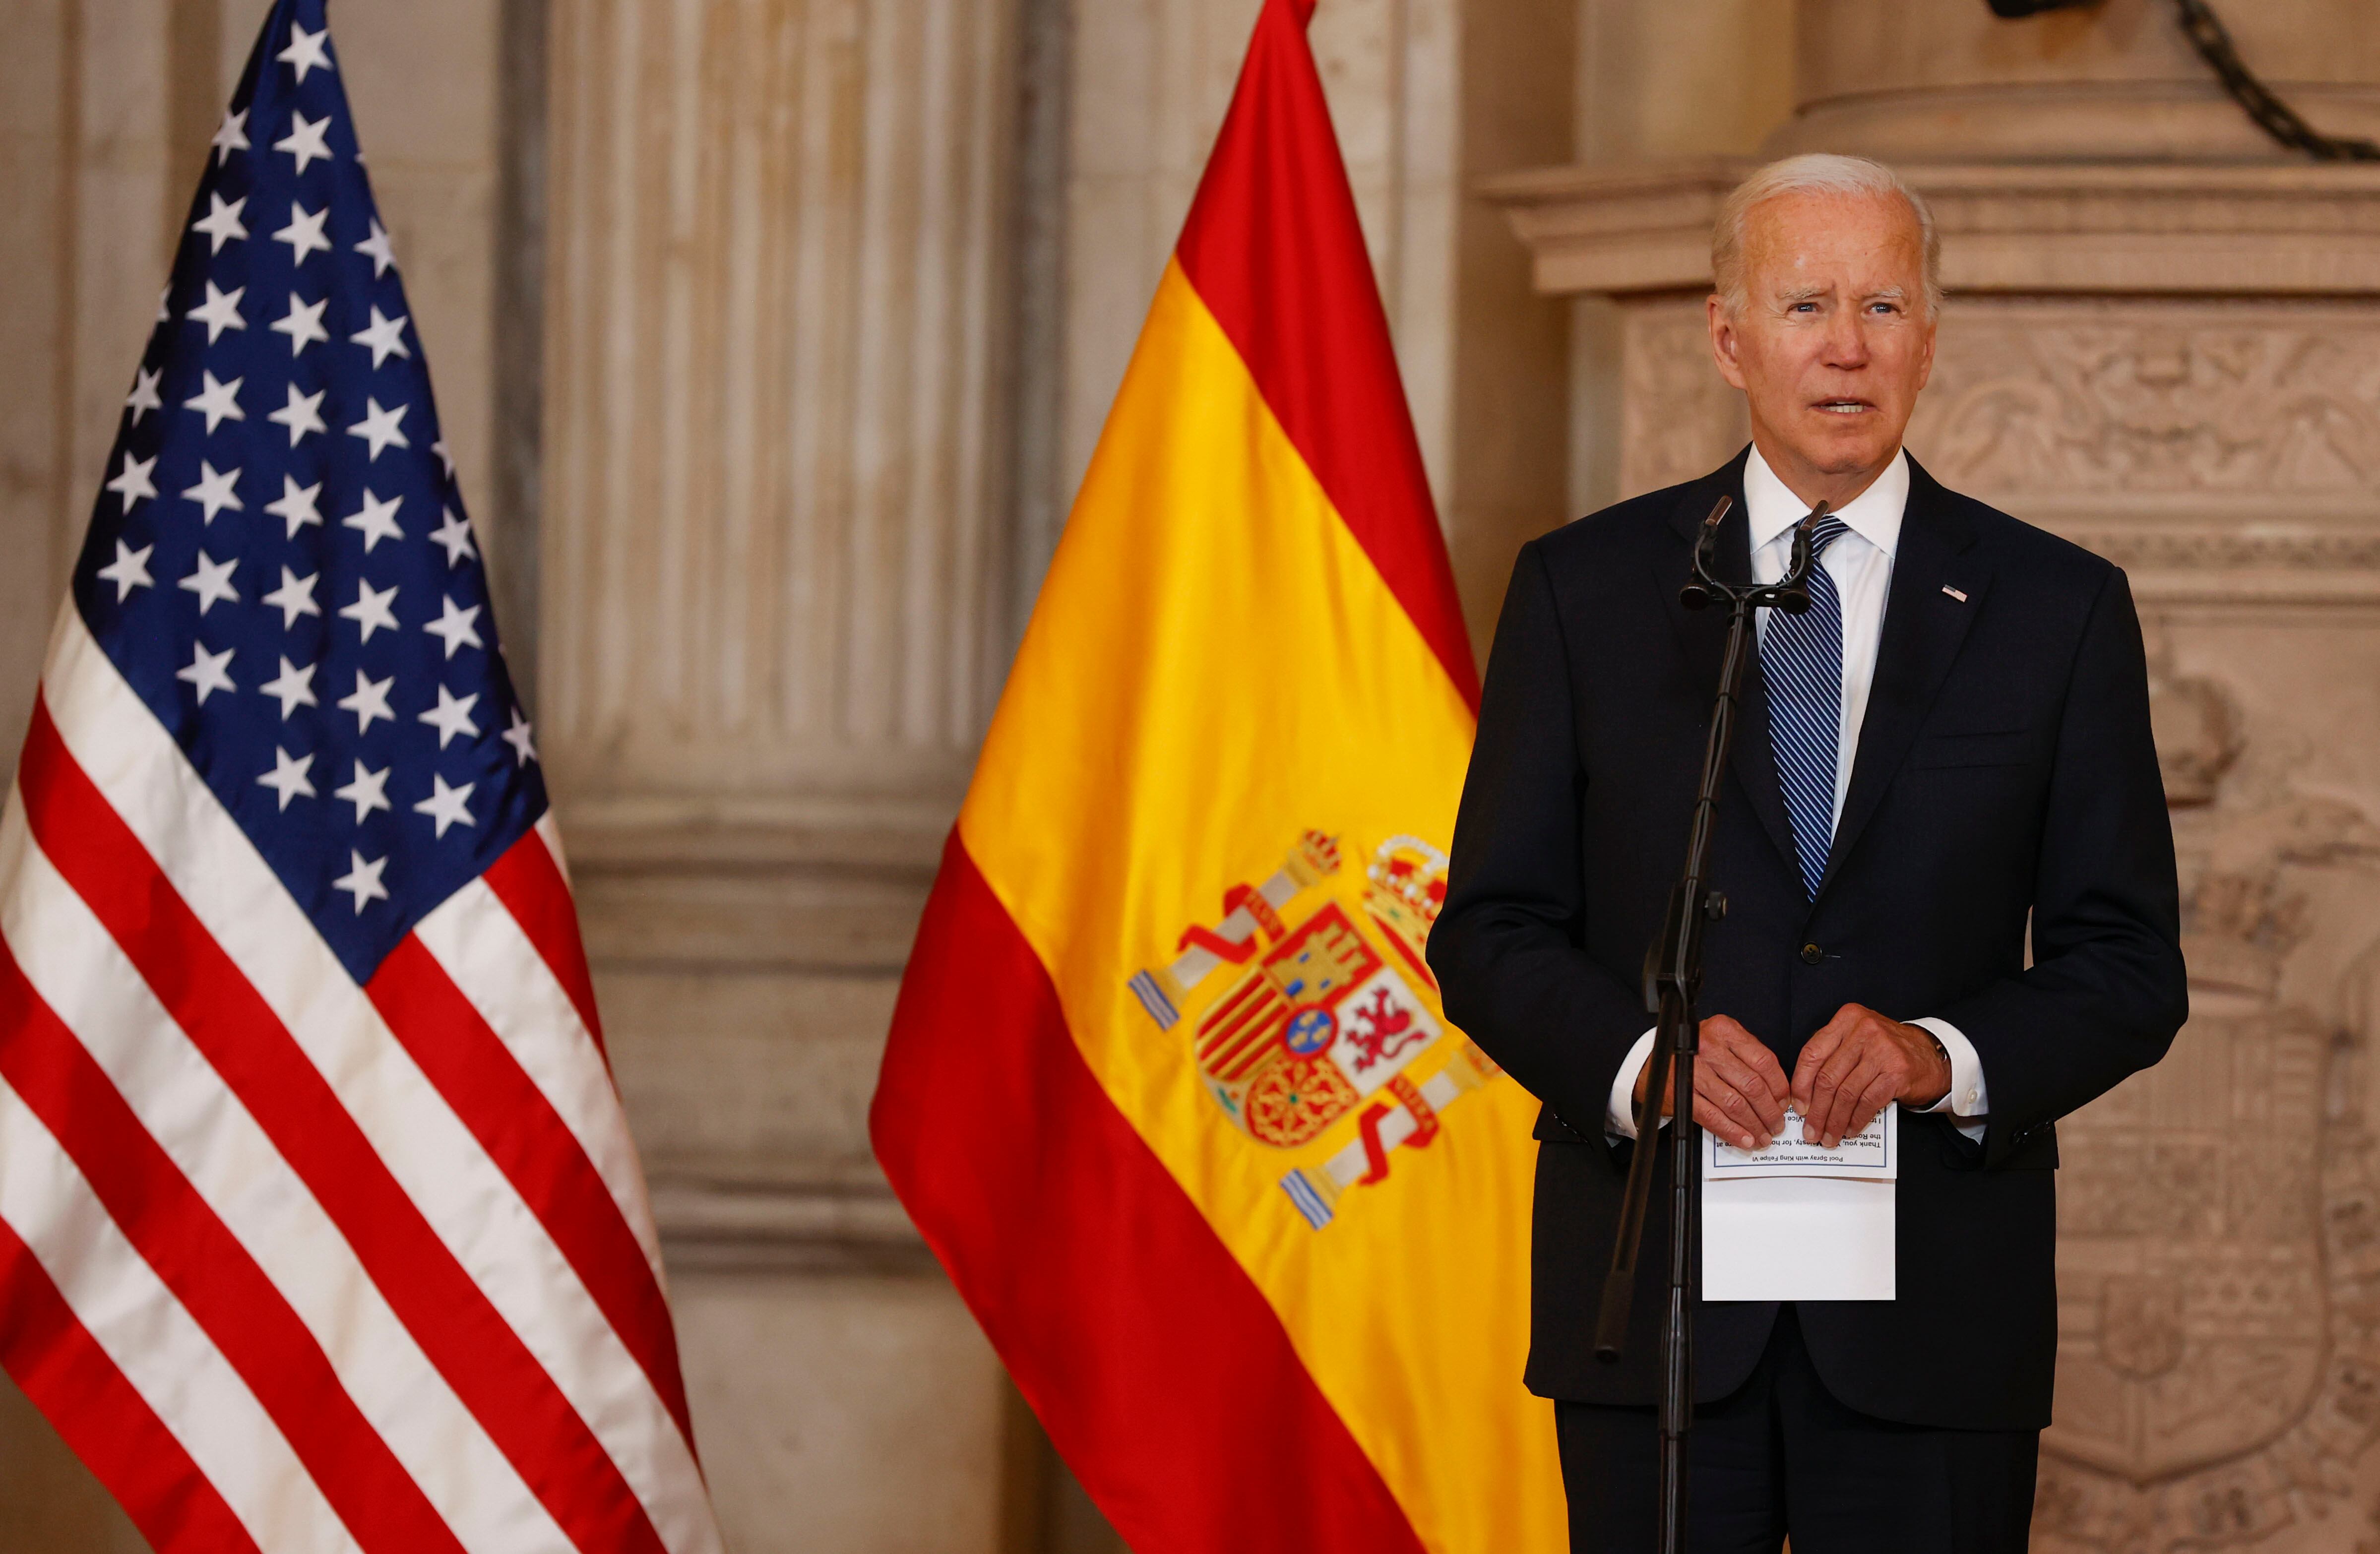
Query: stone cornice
[[668, 831], [822, 1226], [2046, 228]]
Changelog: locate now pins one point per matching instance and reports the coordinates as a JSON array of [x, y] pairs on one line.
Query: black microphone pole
[[1673, 976]]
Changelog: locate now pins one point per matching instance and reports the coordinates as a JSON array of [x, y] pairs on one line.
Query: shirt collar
[[1771, 508]]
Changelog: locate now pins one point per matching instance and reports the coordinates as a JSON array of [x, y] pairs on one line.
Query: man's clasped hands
[[1857, 1063]]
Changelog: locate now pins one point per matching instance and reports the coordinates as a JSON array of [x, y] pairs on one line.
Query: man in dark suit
[[1950, 747]]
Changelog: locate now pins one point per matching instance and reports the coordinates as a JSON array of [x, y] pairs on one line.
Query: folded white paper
[[1798, 1222], [1873, 1153]]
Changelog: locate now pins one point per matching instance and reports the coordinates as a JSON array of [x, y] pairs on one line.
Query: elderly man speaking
[[1949, 748]]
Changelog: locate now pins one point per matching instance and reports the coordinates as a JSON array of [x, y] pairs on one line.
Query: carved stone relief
[[2219, 1214], [2219, 450], [2138, 401]]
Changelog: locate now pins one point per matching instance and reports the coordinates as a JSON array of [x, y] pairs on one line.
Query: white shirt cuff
[[1619, 1113], [1968, 1101]]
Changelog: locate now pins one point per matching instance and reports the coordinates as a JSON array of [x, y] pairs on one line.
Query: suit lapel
[[1701, 635], [1924, 628]]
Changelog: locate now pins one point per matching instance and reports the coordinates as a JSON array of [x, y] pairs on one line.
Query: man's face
[[1833, 342]]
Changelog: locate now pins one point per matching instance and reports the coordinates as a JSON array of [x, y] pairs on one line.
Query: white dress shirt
[[1861, 564]]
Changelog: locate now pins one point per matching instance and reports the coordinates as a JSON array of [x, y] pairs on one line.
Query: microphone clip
[[1790, 593]]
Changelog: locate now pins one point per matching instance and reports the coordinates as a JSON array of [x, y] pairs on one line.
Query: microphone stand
[[1673, 976]]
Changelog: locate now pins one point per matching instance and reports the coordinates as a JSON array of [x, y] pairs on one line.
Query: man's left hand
[[1856, 1064]]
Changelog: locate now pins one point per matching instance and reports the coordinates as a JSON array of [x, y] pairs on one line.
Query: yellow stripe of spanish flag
[[1170, 1089]]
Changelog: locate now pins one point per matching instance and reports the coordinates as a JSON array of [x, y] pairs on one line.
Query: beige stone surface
[[856, 1414], [422, 80]]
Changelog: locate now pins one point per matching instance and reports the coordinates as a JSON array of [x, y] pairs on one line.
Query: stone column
[[775, 584], [2163, 343]]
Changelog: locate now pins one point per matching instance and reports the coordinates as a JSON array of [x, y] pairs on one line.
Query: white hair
[[1814, 173]]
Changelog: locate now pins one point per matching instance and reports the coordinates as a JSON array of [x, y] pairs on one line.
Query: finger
[[1821, 1046], [1770, 1071], [1724, 1028], [1725, 1034], [1732, 1123], [1857, 1047], [1714, 1087], [1873, 1099], [1766, 1097], [1747, 1082], [1846, 1095], [1820, 1111]]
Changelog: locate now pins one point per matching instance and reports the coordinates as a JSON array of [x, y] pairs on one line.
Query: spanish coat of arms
[[1306, 1010]]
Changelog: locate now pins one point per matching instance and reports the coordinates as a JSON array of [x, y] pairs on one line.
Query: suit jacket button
[[1812, 955]]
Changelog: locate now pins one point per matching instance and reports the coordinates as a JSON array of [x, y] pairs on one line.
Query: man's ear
[[1723, 340]]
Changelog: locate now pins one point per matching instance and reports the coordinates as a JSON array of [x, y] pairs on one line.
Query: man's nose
[[1846, 342]]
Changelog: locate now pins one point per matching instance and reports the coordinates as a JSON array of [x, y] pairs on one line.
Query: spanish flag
[[1168, 1088]]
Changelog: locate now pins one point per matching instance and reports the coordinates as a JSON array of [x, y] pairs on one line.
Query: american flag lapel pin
[[1957, 594]]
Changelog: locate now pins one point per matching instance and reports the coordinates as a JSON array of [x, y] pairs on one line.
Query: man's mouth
[[1845, 407]]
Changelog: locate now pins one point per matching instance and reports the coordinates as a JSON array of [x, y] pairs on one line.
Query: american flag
[[320, 1224]]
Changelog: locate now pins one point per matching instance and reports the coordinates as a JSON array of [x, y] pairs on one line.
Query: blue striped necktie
[[1802, 660]]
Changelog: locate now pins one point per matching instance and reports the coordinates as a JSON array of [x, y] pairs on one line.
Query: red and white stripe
[[298, 1265]]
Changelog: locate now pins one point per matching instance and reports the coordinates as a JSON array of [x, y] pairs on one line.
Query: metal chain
[[2213, 41]]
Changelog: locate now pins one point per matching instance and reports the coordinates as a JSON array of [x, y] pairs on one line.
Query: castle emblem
[[1307, 1011]]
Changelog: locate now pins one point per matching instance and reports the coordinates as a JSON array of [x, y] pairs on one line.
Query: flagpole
[[1673, 975]]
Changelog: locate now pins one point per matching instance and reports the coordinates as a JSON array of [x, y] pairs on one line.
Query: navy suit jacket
[[2005, 773]]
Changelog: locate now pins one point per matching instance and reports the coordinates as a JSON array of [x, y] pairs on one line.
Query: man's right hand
[[1739, 1088]]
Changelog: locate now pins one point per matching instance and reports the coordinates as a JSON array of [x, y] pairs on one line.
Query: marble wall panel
[[1948, 80], [422, 79], [1698, 77]]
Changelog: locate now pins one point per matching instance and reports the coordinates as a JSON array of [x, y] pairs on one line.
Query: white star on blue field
[[279, 561]]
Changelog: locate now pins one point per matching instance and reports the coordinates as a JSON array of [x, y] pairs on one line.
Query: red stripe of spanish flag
[[1169, 1089]]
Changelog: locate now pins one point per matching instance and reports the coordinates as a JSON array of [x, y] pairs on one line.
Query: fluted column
[[777, 601], [775, 437]]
